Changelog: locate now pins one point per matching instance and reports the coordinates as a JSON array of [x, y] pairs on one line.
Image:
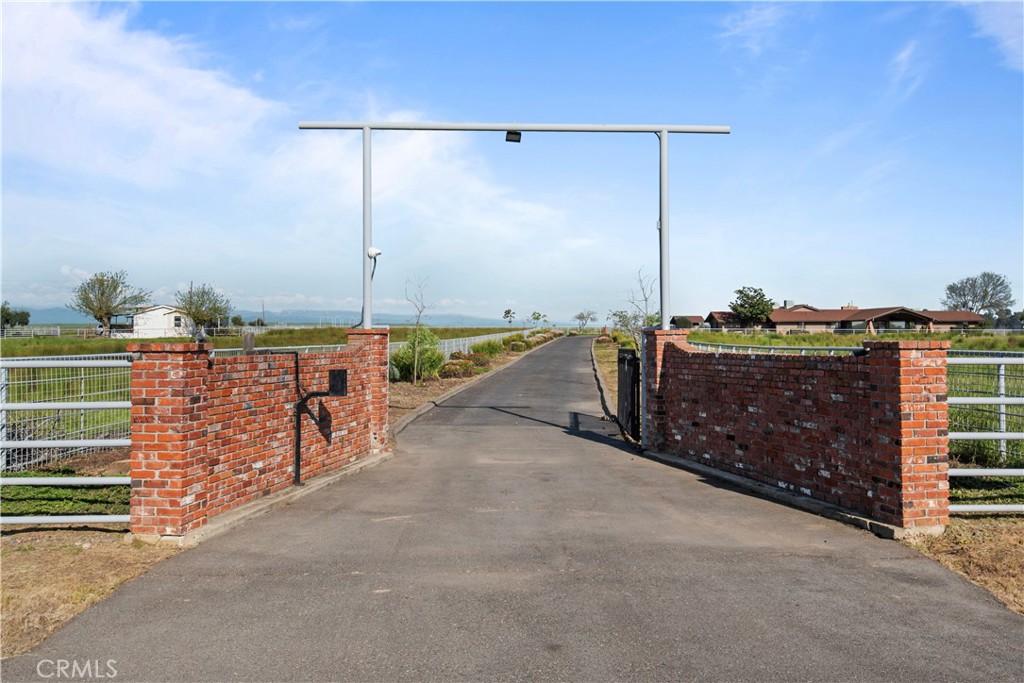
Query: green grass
[[986, 490], [975, 340], [309, 336], [62, 500]]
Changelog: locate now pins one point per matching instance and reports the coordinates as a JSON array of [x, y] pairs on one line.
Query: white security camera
[[373, 252]]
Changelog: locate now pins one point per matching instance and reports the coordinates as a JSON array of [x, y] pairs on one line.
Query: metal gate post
[[644, 427]]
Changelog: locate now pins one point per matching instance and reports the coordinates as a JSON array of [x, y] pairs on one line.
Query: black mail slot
[[337, 382]]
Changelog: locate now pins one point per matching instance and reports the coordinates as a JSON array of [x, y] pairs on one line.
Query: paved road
[[514, 538]]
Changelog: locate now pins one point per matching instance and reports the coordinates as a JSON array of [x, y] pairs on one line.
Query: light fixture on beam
[[513, 136]]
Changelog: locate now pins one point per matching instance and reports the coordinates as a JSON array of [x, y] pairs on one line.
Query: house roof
[[723, 317], [840, 315], [695, 319], [955, 316]]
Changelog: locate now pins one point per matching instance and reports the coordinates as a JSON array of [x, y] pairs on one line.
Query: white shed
[[155, 321]]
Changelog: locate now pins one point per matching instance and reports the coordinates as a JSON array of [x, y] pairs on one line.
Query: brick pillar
[[168, 459], [912, 427], [374, 353], [654, 424]]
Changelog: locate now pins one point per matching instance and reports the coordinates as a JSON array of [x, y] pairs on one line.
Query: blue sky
[[876, 152]]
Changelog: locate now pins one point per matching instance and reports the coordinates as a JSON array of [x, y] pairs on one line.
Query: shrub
[[517, 346], [430, 357], [457, 368], [490, 348], [458, 355], [480, 360], [511, 339]]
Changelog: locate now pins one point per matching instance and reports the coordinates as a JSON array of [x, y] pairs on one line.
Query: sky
[[876, 152]]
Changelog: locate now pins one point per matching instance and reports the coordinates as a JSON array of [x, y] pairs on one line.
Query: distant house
[[723, 320], [802, 318], [686, 321], [153, 322]]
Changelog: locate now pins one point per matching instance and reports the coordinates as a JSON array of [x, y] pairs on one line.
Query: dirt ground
[[49, 575]]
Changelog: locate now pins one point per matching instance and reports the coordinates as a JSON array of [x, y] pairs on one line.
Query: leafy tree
[[537, 317], [105, 295], [751, 306], [258, 322], [509, 315], [641, 313], [203, 306], [584, 318], [12, 317], [989, 294], [237, 321]]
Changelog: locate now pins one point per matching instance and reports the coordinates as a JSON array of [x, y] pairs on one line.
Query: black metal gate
[[628, 409]]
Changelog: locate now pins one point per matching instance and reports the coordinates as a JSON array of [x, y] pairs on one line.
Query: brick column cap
[[170, 347], [908, 344], [359, 331], [667, 333]]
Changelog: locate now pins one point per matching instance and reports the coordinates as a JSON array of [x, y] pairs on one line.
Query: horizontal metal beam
[[985, 400], [68, 405], [67, 519], [65, 481], [984, 472], [68, 443], [987, 508], [987, 436], [990, 360], [504, 127], [10, 364]]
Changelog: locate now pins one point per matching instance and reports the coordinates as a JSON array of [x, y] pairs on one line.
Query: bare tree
[[420, 305], [640, 313]]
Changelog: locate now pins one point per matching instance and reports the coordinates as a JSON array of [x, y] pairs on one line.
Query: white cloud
[[755, 27], [906, 70], [1003, 22], [83, 93]]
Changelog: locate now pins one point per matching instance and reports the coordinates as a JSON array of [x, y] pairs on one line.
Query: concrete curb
[[600, 385], [229, 520], [793, 500]]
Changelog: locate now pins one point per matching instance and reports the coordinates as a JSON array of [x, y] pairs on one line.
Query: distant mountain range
[[63, 316]]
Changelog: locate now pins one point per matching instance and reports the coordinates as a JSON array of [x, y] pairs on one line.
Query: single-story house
[[686, 321], [153, 322], [802, 318], [723, 320]]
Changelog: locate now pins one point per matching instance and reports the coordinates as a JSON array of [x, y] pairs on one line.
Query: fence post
[[1002, 412]]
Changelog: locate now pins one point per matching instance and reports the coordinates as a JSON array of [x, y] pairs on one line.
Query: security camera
[[373, 252]]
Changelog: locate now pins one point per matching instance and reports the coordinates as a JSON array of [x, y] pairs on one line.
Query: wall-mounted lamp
[[514, 136]]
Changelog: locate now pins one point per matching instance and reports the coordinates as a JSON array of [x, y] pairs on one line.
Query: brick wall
[[210, 434], [867, 433]]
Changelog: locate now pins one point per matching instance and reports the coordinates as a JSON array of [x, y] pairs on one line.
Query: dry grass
[[987, 550], [50, 575], [607, 357]]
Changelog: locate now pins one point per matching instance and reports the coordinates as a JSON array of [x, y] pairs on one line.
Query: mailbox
[[337, 383]]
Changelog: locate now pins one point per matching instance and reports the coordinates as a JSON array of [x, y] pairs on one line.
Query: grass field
[[306, 336]]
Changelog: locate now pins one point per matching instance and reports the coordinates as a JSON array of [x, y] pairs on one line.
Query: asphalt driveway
[[515, 537]]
